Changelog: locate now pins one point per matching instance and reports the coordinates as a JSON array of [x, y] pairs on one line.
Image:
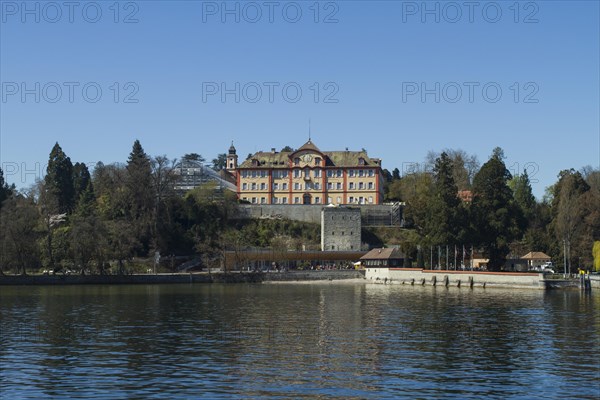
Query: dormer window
[[254, 162], [297, 161], [361, 161], [318, 161]]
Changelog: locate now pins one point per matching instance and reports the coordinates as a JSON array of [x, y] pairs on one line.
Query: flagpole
[[431, 256], [472, 255], [447, 257], [455, 257]]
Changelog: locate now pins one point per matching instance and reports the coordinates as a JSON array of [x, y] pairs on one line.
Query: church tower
[[232, 159]]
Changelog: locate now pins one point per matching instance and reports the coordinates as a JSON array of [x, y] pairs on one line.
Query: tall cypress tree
[[496, 218], [139, 181], [59, 181], [443, 209], [140, 195]]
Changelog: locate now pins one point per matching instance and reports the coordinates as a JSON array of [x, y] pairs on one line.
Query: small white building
[[535, 259]]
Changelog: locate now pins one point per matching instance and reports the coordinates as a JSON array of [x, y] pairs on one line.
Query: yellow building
[[308, 176]]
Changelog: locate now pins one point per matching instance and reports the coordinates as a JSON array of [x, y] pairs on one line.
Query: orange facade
[[310, 176]]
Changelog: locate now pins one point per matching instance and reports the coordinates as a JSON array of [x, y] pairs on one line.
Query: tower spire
[[309, 133]]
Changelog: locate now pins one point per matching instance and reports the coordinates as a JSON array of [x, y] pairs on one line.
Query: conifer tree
[[496, 218], [59, 181], [443, 209]]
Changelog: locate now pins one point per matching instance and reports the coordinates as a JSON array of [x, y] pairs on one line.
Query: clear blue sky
[[375, 61]]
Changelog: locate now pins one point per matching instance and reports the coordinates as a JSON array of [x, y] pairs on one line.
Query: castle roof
[[283, 159]]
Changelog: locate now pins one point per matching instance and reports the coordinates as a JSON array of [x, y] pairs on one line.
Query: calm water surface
[[297, 341]]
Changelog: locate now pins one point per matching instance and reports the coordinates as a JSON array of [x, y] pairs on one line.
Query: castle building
[[308, 176]]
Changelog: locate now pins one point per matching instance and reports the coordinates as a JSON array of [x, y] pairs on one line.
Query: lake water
[[323, 340]]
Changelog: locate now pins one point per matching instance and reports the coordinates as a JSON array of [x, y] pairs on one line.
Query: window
[[296, 200], [284, 200], [254, 186], [361, 200], [276, 186], [284, 174], [339, 186], [351, 233], [317, 200], [307, 186], [342, 233], [361, 185], [306, 173], [263, 174], [351, 173], [371, 172], [361, 173], [351, 199], [254, 174], [274, 200], [296, 186], [351, 185], [263, 200], [361, 161], [318, 161], [329, 200], [317, 186], [330, 173], [254, 200], [284, 186], [297, 161], [371, 199], [244, 174], [339, 173], [317, 173], [370, 185], [332, 247], [263, 186], [329, 185], [244, 186], [339, 199]]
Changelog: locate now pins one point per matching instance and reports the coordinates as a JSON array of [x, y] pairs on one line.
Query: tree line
[[497, 212], [100, 221]]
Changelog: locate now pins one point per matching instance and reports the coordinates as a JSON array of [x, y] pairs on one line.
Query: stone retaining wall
[[413, 276], [314, 275], [312, 213], [203, 277]]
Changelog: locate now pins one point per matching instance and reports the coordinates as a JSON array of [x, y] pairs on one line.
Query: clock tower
[[232, 159]]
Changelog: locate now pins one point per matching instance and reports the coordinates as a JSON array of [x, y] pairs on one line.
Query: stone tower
[[340, 229]]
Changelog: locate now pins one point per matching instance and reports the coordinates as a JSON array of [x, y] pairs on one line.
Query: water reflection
[[329, 340]]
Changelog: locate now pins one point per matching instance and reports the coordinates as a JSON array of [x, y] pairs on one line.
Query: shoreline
[[393, 277], [174, 278]]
